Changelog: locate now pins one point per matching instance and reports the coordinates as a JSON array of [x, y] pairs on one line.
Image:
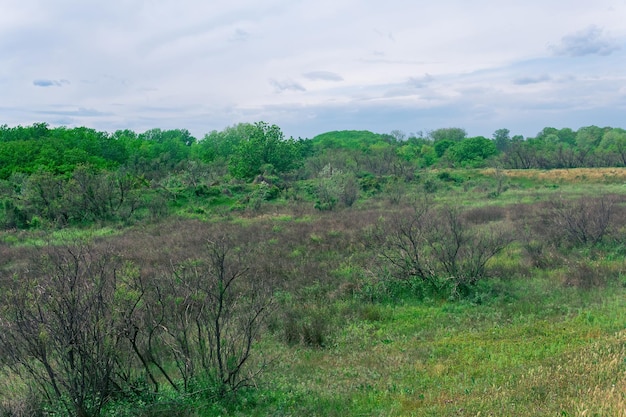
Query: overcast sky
[[314, 66]]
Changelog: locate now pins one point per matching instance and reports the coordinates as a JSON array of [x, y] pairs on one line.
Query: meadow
[[540, 330]]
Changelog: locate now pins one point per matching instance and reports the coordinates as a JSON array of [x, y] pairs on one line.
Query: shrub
[[485, 214], [588, 274], [306, 325], [58, 330], [437, 246], [586, 221]]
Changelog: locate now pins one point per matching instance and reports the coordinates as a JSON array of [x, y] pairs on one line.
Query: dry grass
[[573, 175], [603, 364]]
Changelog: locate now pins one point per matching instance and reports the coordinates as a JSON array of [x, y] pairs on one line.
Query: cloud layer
[[590, 41], [312, 67]]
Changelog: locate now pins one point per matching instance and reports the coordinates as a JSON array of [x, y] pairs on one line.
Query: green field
[[396, 290]]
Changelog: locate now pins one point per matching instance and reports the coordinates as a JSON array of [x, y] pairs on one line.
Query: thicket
[[60, 176], [221, 244]]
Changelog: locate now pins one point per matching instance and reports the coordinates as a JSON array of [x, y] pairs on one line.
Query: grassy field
[[533, 351], [535, 347], [532, 341]]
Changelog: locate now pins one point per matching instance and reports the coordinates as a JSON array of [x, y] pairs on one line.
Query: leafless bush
[[21, 404], [57, 327], [588, 274], [307, 326], [586, 221], [438, 246], [485, 214], [213, 311]]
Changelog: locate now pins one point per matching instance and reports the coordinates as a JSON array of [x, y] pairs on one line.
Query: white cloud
[[311, 66]]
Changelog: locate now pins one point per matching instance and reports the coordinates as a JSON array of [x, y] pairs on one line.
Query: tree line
[[60, 176]]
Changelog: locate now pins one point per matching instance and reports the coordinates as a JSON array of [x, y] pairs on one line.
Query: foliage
[[347, 139], [263, 145], [452, 134], [207, 259], [472, 151], [333, 187]]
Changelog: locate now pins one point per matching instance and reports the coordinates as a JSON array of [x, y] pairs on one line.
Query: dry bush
[[485, 214], [586, 221], [438, 246], [58, 327], [524, 213], [588, 274], [538, 251], [17, 399], [569, 175]]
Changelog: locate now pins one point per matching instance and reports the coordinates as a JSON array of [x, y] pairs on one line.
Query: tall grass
[[433, 359]]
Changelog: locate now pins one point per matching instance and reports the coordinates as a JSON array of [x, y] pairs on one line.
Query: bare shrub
[[18, 399], [306, 326], [402, 241], [462, 252], [214, 312], [588, 274], [486, 214], [350, 190], [539, 253], [58, 327], [395, 191], [586, 221], [437, 246]]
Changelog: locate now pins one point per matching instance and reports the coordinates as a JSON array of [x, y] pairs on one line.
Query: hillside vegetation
[[354, 273]]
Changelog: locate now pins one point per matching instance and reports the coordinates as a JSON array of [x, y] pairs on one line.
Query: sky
[[314, 66]]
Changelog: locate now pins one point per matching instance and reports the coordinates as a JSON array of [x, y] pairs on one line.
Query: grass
[[56, 237], [557, 355], [529, 347], [573, 175]]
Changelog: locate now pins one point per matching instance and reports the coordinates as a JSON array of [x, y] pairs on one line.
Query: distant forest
[[60, 176]]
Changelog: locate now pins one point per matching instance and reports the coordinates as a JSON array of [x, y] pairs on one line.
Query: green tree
[[473, 151], [613, 145], [587, 140], [502, 139], [442, 146], [455, 134], [220, 146], [263, 146]]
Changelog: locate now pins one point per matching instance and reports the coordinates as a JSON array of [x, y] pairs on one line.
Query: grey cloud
[[419, 82], [590, 41], [240, 35], [388, 35], [323, 76], [531, 80], [399, 92], [50, 83], [81, 111], [286, 85]]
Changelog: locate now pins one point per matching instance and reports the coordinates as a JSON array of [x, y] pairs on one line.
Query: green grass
[[530, 356], [56, 237], [524, 345]]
